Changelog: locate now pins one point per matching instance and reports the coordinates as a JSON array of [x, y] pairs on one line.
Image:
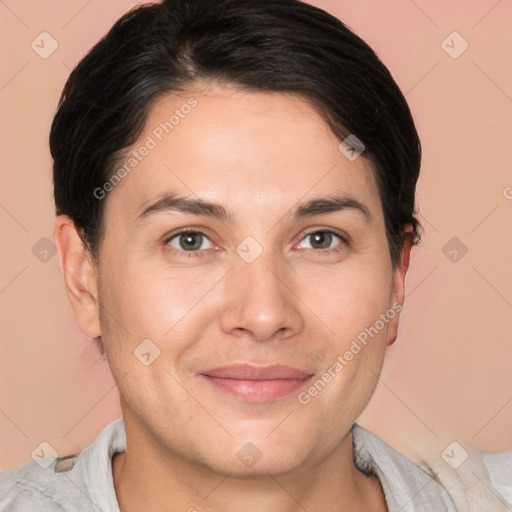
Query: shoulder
[[70, 483], [499, 469], [474, 481], [35, 486], [407, 487]]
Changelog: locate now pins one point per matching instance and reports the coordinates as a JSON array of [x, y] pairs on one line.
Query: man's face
[[263, 286]]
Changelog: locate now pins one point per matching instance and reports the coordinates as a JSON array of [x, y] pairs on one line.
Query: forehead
[[245, 148]]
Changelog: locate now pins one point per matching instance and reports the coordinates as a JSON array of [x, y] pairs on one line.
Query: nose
[[260, 302]]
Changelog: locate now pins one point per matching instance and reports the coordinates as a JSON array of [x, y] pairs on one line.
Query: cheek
[[349, 300], [167, 306], [350, 304]]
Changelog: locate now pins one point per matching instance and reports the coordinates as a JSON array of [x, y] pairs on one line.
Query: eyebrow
[[318, 206]]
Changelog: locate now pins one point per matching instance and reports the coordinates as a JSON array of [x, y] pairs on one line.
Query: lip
[[256, 383]]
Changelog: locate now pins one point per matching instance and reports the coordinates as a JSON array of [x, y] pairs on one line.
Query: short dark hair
[[268, 45]]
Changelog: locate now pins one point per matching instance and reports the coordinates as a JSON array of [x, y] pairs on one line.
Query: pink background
[[448, 377]]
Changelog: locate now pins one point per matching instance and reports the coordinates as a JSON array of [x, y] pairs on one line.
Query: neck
[[152, 477]]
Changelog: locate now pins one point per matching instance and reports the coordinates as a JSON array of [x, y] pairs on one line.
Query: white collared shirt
[[85, 481]]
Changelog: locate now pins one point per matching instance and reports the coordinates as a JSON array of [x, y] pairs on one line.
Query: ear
[[398, 294], [80, 275]]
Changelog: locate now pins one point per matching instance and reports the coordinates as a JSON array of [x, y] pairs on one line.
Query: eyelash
[[200, 253]]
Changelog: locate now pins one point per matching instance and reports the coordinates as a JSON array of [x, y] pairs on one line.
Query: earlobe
[[80, 275]]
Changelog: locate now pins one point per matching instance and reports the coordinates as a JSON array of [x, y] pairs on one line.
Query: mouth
[[254, 383]]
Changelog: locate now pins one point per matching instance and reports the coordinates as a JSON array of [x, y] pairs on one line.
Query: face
[[263, 319]]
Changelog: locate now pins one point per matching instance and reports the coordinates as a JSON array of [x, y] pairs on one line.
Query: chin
[[246, 457], [267, 464]]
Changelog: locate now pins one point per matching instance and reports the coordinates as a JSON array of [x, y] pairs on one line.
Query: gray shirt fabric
[[499, 468], [85, 482]]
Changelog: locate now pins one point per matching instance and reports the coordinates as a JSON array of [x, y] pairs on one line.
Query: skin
[[300, 303]]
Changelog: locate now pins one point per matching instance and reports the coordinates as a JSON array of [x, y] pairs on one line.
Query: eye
[[189, 241], [192, 241], [323, 239]]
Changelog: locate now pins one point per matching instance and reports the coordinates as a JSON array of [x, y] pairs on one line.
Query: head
[[279, 142]]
